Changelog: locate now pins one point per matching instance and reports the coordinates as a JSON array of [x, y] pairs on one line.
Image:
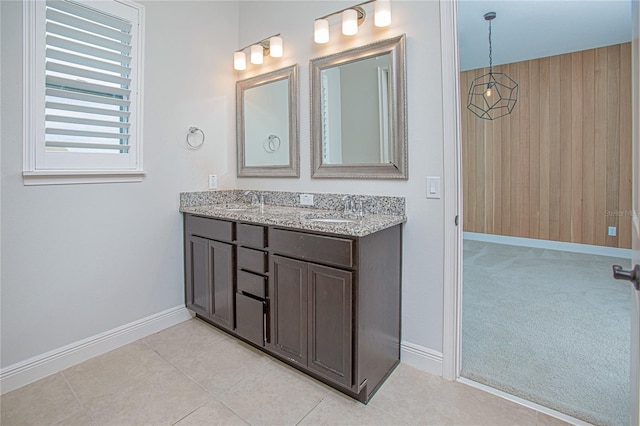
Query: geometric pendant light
[[495, 94]]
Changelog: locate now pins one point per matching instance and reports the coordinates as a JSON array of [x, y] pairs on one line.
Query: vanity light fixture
[[271, 46], [352, 17], [494, 94]]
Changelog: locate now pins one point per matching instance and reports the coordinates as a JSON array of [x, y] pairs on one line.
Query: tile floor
[[193, 374]]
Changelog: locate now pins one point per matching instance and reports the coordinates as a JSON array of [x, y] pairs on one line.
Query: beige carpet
[[549, 326]]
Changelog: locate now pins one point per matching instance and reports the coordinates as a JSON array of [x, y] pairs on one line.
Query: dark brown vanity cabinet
[[327, 304], [335, 305], [209, 269], [251, 286], [312, 317]]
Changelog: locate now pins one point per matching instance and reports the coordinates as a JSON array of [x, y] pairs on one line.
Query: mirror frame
[[397, 168], [293, 168]]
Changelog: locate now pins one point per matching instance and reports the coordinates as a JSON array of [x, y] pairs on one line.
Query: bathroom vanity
[[315, 288]]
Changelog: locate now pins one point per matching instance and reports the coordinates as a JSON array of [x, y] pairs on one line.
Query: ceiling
[[526, 29]]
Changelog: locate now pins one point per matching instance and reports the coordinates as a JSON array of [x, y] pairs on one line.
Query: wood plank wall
[[559, 167]]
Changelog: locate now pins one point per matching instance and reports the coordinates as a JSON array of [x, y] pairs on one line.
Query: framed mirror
[[267, 124], [358, 113]]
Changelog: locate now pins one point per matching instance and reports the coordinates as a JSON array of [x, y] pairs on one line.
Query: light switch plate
[[213, 181], [433, 187], [306, 199]]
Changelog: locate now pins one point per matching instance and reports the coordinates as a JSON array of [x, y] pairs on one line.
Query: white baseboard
[[38, 367], [549, 245], [422, 358]]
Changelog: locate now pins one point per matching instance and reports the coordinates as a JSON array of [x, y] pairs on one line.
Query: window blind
[[87, 79]]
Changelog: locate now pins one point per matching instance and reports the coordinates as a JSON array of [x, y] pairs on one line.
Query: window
[[82, 91]]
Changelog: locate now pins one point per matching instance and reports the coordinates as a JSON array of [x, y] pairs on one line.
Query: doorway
[[454, 312]]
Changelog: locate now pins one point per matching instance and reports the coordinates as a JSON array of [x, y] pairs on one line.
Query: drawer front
[[250, 319], [212, 229], [252, 235], [317, 248], [252, 260], [252, 284]]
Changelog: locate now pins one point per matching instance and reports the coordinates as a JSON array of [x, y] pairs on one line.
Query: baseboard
[[549, 245], [422, 358], [38, 367]]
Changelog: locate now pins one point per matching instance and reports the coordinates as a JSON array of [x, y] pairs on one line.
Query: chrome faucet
[[254, 198], [353, 205], [348, 204]]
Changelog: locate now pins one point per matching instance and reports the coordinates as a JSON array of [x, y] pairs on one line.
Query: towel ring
[[272, 143], [192, 137]]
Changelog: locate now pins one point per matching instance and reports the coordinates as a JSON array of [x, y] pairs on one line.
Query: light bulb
[[275, 47], [321, 31], [256, 54], [489, 91], [350, 22], [382, 17], [239, 61]]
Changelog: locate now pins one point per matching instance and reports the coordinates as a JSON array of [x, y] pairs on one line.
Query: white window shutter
[[90, 87]]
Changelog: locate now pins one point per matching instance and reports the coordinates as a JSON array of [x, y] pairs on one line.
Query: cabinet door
[[198, 288], [330, 323], [288, 300], [221, 269]]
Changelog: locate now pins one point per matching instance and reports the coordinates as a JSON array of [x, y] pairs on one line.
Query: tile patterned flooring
[[193, 374]]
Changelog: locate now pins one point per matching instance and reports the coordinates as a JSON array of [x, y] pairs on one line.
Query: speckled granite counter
[[279, 210]]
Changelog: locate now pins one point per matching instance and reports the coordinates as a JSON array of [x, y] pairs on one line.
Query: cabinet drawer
[[212, 229], [251, 235], [252, 260], [252, 284], [318, 248], [250, 319]]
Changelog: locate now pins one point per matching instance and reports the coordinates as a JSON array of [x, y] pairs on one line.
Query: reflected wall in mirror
[[267, 124], [358, 111]]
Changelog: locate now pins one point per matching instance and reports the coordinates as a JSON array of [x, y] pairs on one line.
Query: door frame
[[452, 294]]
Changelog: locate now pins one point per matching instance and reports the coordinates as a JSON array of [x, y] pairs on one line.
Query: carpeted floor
[[549, 326]]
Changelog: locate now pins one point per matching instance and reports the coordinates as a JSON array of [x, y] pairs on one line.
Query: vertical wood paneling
[[565, 148], [612, 135], [558, 167], [534, 149], [554, 148], [624, 202], [601, 143], [576, 147], [588, 145], [545, 148]]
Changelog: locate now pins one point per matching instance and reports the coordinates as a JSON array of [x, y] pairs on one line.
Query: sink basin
[[335, 218], [330, 220], [235, 207]]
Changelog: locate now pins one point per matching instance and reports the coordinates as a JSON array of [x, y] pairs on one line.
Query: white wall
[[422, 301], [79, 260]]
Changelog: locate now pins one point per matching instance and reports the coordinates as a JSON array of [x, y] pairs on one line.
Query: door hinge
[[457, 220]]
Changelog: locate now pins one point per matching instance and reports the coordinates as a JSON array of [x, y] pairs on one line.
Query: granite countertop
[[299, 218]]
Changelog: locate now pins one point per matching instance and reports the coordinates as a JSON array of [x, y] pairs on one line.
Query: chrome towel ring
[[272, 143], [195, 137]]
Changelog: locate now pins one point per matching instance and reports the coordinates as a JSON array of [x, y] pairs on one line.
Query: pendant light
[[494, 94]]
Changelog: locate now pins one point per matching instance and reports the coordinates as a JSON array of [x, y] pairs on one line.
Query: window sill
[[76, 177]]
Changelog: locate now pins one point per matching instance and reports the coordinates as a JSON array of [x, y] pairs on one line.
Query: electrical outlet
[[306, 199], [611, 231], [213, 181]]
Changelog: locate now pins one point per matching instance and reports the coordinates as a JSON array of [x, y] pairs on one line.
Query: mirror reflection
[[358, 112], [267, 124], [355, 113]]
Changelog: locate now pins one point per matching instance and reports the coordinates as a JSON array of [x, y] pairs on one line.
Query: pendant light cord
[[490, 51]]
